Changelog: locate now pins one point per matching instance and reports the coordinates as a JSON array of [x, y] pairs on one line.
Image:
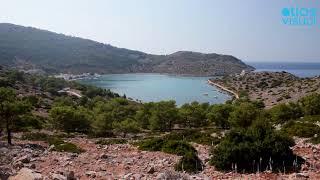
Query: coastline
[[223, 88], [70, 77]]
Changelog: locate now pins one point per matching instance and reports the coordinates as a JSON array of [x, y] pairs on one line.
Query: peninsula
[[269, 87]]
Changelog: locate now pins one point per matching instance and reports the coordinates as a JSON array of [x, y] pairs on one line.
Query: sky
[[251, 30]]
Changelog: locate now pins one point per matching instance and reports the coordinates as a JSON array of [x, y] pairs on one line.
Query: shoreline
[[71, 77], [223, 88]]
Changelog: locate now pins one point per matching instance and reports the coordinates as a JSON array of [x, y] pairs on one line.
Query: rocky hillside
[[103, 136], [37, 160], [39, 50], [270, 87], [184, 62]]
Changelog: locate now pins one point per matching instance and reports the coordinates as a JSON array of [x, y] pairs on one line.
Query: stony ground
[[123, 161]]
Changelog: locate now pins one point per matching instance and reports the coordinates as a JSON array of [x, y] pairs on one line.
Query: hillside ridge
[[31, 48]]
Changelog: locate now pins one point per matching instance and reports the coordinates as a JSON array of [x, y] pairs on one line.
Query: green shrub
[[311, 104], [311, 119], [70, 119], [284, 112], [193, 136], [28, 122], [177, 147], [315, 140], [67, 147], [62, 146], [33, 100], [243, 115], [154, 144], [257, 148], [243, 94], [35, 136], [193, 115], [190, 163], [55, 141], [59, 144], [219, 114], [300, 129], [111, 141], [168, 146]]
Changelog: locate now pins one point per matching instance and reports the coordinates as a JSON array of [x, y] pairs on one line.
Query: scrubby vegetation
[[57, 143], [311, 119], [168, 146], [62, 146], [111, 141], [301, 129], [241, 132], [189, 162], [256, 148], [40, 50], [37, 136], [315, 140], [284, 112], [193, 136], [273, 88]]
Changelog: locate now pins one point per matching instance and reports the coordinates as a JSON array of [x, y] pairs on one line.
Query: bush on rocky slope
[[300, 129], [255, 149], [58, 143], [193, 136], [189, 161]]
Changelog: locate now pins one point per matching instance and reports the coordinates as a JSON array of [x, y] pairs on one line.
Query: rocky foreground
[[35, 160]]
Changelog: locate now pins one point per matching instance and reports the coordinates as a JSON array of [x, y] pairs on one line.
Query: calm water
[[157, 87], [298, 69]]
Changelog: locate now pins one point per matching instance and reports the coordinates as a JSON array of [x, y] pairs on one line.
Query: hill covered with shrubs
[[242, 135], [38, 50], [271, 88]]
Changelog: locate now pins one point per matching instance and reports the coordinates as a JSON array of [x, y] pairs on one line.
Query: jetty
[[224, 89]]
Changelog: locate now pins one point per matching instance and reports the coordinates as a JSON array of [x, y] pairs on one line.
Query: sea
[[306, 69], [185, 89]]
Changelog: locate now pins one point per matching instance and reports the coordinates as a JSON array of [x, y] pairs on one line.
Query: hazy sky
[[248, 29]]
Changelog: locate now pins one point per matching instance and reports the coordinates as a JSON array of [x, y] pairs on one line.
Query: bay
[[158, 87], [186, 89]]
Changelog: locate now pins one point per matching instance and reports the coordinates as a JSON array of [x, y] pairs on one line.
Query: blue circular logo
[[285, 12]]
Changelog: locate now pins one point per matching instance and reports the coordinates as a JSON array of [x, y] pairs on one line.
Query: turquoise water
[[157, 87]]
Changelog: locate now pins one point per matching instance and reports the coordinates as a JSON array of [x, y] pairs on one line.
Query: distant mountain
[[34, 49]]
